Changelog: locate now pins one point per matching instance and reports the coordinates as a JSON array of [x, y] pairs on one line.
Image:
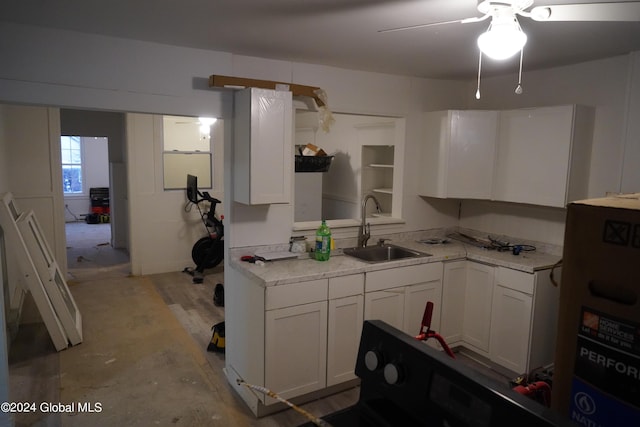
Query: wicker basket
[[313, 163]]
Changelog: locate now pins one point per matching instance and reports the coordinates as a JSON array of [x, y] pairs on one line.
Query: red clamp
[[426, 332]]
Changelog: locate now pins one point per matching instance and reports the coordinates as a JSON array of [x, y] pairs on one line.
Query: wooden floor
[[143, 357], [192, 304]]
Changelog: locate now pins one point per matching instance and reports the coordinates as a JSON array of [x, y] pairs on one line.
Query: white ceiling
[[342, 33]]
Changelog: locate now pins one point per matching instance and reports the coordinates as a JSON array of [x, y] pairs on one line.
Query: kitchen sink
[[383, 253]]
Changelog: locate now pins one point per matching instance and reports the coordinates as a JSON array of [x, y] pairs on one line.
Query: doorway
[[94, 182]]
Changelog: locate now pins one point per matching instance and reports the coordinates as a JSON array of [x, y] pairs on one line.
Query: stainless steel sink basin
[[383, 253]]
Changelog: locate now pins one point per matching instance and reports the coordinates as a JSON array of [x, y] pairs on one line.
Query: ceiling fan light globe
[[501, 43]]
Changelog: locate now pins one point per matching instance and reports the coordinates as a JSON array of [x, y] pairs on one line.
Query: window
[[187, 150], [71, 165]]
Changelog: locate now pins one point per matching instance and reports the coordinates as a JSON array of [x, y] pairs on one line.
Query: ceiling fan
[[505, 38]]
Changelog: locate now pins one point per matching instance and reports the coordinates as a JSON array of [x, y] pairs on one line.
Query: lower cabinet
[[509, 316], [295, 349], [312, 334], [295, 337], [399, 296], [510, 326], [476, 325], [524, 319], [346, 313], [454, 285]]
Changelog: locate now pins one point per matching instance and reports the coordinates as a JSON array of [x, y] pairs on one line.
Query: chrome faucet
[[364, 232]]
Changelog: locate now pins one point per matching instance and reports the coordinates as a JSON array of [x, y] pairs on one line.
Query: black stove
[[407, 383]]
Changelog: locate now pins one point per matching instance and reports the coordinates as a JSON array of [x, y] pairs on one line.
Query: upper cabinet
[[458, 154], [539, 156], [262, 146], [543, 155]]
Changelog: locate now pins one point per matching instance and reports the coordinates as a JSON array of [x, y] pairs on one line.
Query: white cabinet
[[295, 338], [524, 320], [476, 324], [295, 349], [312, 334], [538, 156], [262, 146], [346, 313], [543, 155], [399, 296], [458, 154], [509, 316], [387, 305], [415, 302], [510, 325], [454, 285]]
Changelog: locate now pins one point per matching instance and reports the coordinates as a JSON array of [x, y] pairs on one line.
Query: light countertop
[[279, 272]]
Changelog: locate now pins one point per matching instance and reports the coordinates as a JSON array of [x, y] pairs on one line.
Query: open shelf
[[383, 190]]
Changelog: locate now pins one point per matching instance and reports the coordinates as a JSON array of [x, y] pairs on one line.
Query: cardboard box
[[596, 378]]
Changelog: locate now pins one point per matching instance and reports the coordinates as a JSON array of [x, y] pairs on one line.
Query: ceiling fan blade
[[433, 24], [621, 11]]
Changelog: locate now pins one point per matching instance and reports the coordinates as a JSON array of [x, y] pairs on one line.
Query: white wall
[[31, 141], [74, 70], [152, 78], [600, 84], [162, 233], [4, 154], [354, 92], [606, 85], [630, 180]]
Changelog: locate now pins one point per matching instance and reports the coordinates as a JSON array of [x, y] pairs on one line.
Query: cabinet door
[[510, 329], [534, 153], [263, 160], [477, 306], [343, 337], [415, 301], [454, 284], [458, 154], [296, 349], [472, 152], [387, 306]]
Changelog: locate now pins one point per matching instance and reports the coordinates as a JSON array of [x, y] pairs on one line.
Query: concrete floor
[[143, 360]]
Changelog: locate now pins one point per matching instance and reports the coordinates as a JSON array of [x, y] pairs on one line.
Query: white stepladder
[[40, 274]]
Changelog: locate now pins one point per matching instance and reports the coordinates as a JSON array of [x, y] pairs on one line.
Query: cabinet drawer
[[344, 286], [295, 294], [516, 280], [403, 276]]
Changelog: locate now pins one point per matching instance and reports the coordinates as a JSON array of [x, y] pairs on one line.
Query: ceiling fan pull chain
[[479, 68], [519, 88]]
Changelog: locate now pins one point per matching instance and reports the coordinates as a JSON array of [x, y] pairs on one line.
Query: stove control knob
[[392, 374], [372, 360]]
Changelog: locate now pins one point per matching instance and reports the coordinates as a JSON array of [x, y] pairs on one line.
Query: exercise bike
[[208, 251]]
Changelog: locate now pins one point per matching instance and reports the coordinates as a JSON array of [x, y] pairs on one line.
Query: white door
[[387, 306], [472, 154], [510, 329], [296, 349], [534, 152], [415, 301], [477, 306], [343, 337], [454, 285]]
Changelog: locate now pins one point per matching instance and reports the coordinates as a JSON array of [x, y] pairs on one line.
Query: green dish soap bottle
[[323, 242]]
